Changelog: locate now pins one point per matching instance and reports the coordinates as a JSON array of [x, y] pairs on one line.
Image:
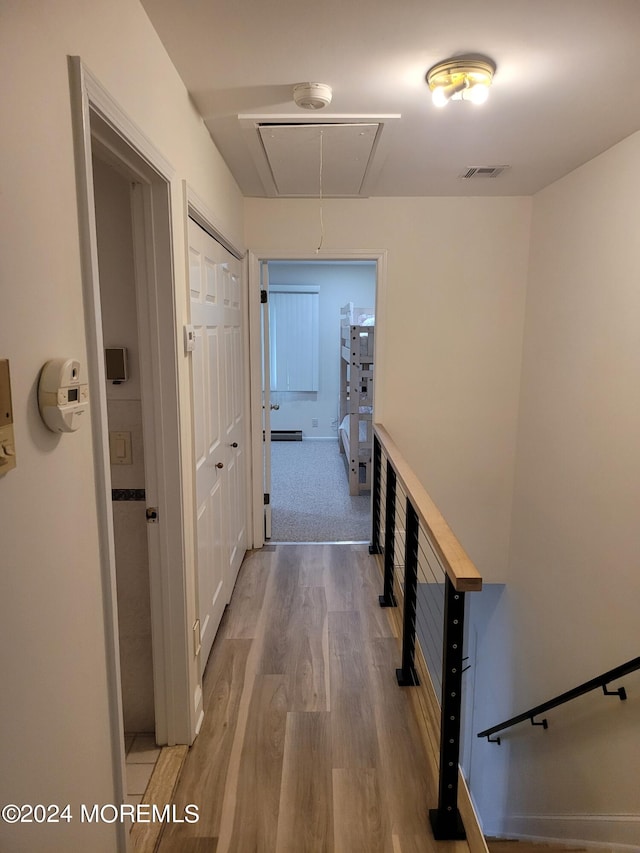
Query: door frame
[[255, 257], [265, 330], [97, 116]]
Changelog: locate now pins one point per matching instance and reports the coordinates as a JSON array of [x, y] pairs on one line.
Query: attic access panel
[[296, 152]]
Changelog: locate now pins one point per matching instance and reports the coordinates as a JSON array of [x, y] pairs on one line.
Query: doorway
[[102, 131], [312, 497], [114, 231]]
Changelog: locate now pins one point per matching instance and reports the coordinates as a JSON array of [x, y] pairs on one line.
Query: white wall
[[339, 283], [54, 724], [450, 329], [574, 587]]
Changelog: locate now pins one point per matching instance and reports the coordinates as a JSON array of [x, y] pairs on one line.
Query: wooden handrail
[[460, 569]]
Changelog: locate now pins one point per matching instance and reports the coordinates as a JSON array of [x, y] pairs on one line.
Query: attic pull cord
[[321, 219]]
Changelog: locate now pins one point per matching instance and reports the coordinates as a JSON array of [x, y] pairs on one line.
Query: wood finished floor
[[308, 744]]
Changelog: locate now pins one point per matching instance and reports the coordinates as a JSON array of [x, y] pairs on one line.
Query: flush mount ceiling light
[[460, 80], [312, 96]]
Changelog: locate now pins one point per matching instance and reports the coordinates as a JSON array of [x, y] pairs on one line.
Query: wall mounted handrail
[[409, 530], [460, 569], [593, 684]]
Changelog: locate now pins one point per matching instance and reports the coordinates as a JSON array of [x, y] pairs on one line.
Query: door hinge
[[189, 339], [267, 499], [152, 515], [264, 297]]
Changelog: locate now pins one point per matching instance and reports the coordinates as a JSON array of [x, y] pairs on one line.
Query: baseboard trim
[[615, 832]]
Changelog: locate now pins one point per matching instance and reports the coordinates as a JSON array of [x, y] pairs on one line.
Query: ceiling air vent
[[482, 172]]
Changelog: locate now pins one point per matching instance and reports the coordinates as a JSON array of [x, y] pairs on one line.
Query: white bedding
[[356, 316], [362, 426]]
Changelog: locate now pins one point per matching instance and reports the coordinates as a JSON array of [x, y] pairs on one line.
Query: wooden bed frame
[[355, 423]]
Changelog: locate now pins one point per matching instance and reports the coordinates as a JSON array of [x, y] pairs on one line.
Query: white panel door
[[218, 412]]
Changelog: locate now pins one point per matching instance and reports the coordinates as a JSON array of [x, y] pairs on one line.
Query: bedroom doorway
[[318, 425]]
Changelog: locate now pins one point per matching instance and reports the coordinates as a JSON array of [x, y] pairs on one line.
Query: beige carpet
[[310, 497]]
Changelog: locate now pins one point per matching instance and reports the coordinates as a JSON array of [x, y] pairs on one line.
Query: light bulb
[[439, 97], [443, 94], [477, 94]]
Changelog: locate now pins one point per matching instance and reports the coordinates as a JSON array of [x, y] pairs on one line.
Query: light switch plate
[[7, 443], [7, 450], [120, 448]]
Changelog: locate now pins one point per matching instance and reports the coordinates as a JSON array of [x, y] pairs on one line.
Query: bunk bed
[[355, 422]]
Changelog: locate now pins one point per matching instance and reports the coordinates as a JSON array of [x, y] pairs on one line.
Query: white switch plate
[[120, 448]]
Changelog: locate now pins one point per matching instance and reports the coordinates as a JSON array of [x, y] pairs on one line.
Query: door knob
[[235, 444], [274, 406], [219, 464]]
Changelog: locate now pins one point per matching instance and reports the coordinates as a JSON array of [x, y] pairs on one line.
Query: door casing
[[257, 398], [96, 116]]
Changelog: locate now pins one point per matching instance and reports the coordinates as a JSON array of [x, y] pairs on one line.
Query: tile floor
[[141, 756]]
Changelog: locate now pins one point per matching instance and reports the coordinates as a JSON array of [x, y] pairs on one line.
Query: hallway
[[308, 744]]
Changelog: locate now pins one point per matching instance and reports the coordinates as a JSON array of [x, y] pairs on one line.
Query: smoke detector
[[312, 96]]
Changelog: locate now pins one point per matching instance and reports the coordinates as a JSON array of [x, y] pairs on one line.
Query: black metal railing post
[[407, 675], [374, 547], [388, 599], [445, 820]]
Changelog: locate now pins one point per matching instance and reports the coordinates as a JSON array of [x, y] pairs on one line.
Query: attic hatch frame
[[251, 125]]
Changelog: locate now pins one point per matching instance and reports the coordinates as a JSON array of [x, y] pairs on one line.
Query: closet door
[[218, 414]]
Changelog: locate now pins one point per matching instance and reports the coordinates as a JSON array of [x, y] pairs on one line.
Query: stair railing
[[427, 572], [601, 681]]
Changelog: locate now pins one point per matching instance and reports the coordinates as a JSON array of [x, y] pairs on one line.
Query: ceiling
[[563, 91]]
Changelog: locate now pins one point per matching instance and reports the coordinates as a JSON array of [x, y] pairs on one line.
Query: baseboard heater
[[286, 435]]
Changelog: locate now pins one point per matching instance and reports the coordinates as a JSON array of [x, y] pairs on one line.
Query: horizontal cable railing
[[427, 572], [601, 681]]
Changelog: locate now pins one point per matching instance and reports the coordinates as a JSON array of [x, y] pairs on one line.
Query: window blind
[[294, 337]]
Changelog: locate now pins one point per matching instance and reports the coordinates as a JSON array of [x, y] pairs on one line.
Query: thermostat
[[62, 399]]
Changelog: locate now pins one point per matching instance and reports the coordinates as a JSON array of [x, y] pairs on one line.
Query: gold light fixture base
[[460, 79]]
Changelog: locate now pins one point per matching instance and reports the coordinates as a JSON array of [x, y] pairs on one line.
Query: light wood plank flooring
[[308, 744], [499, 845]]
